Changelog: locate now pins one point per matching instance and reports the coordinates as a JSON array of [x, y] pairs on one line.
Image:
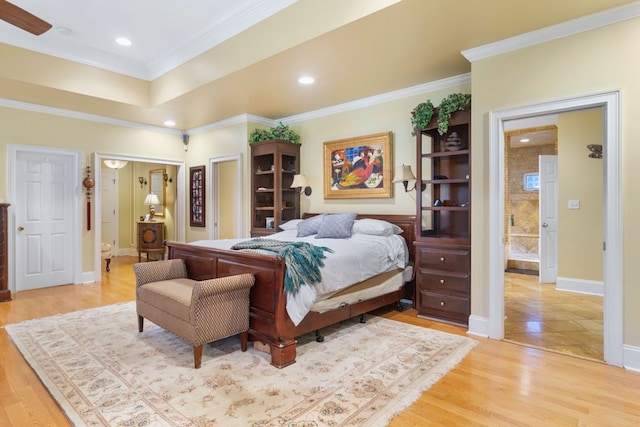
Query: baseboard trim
[[478, 326], [88, 277], [631, 358], [582, 286]]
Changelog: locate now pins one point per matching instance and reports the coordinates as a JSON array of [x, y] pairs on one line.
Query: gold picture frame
[[359, 168]]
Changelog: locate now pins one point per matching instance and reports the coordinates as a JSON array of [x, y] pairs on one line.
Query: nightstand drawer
[[445, 307], [444, 260], [443, 283]]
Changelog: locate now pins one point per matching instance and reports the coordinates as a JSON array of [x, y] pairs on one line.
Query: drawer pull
[[441, 303], [442, 258], [442, 281]]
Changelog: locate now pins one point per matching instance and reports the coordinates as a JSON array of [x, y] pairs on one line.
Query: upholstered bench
[[197, 311]]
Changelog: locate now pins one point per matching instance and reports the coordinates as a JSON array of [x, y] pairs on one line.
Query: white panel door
[[548, 227], [44, 221]]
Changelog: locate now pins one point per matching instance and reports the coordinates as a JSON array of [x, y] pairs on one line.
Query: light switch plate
[[574, 204]]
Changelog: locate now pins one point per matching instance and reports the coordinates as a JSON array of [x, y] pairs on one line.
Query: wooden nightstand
[[150, 238]]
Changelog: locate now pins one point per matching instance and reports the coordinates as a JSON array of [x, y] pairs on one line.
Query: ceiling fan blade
[[22, 19]]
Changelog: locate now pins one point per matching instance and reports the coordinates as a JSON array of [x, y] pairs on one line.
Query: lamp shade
[[404, 174], [151, 199], [299, 181], [115, 164]]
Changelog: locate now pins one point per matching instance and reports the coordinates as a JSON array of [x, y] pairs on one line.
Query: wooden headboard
[[405, 222]]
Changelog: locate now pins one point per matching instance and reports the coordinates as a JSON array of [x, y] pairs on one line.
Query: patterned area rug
[[102, 372]]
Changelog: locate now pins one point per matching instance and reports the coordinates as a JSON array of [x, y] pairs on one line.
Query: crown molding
[[239, 119], [380, 99], [246, 118], [554, 32], [84, 116]]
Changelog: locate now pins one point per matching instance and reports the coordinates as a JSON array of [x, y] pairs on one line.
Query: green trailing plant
[[421, 115], [423, 112], [281, 131], [449, 105]]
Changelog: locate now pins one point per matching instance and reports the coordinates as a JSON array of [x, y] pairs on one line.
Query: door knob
[[20, 228], [545, 225]]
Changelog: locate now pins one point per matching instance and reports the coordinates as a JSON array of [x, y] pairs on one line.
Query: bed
[[270, 305]]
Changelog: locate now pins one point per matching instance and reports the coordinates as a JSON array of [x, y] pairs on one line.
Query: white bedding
[[355, 259]]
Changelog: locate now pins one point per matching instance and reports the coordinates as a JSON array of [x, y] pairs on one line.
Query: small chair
[[106, 253], [197, 311]]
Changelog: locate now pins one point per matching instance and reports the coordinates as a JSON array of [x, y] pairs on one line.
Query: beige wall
[[596, 61], [228, 220], [50, 131], [580, 178], [218, 142], [394, 116]]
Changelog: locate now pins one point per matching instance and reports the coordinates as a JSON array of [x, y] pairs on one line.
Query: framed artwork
[[358, 168], [197, 196]]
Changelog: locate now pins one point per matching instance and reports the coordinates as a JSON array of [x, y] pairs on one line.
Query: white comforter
[[355, 259]]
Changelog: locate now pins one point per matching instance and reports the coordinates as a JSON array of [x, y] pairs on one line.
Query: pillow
[[290, 225], [336, 226], [310, 226], [375, 227]]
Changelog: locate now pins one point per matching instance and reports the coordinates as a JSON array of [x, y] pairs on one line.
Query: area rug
[[103, 372]]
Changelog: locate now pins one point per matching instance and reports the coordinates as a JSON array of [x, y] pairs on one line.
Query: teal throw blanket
[[303, 260]]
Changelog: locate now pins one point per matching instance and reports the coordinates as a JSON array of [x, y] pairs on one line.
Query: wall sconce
[[115, 164], [142, 181], [405, 175], [185, 142], [300, 181], [596, 151], [166, 179], [151, 200]]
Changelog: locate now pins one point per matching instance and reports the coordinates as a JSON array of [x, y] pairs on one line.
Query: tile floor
[[538, 315]]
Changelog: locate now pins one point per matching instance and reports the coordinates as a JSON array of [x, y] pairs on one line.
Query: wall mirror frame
[[157, 186]]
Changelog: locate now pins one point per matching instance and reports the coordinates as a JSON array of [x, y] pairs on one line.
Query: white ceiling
[[200, 62]]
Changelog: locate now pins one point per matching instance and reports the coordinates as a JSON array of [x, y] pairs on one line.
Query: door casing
[[613, 294]]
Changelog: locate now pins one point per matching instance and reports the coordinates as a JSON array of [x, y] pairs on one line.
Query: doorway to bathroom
[[553, 224]]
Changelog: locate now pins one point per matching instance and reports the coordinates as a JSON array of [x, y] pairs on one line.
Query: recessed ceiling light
[[169, 123], [525, 140], [123, 41], [306, 80]]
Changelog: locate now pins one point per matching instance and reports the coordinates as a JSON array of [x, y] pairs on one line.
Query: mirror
[[156, 186]]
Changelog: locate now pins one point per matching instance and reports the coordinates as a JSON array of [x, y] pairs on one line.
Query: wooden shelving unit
[[274, 163], [443, 234]]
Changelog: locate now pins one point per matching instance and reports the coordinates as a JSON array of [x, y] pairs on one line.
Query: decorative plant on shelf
[[422, 114], [280, 131]]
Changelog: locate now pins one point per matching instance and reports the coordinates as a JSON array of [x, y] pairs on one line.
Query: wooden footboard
[[269, 321]]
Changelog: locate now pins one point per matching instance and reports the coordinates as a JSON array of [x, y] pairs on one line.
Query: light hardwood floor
[[538, 315], [497, 384]]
